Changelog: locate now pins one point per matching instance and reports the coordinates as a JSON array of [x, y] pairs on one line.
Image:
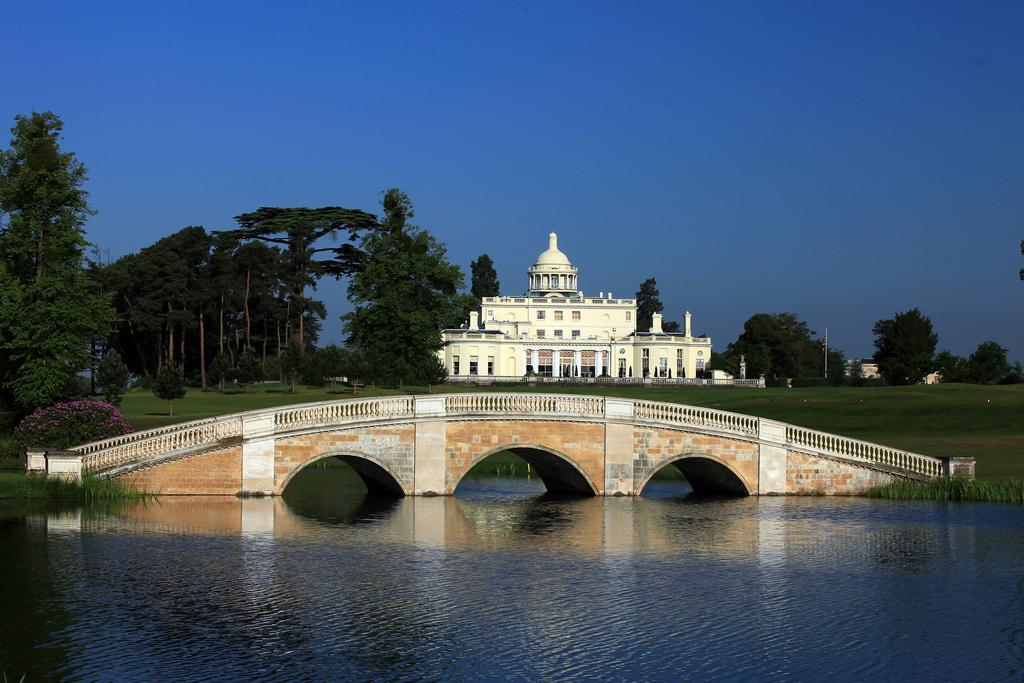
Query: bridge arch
[[377, 476], [706, 473], [560, 473]]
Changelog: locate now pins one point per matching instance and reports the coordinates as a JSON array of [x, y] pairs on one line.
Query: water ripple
[[492, 585]]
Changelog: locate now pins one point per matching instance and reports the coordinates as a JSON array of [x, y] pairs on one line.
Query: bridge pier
[[429, 460], [258, 454], [771, 458], [618, 447]]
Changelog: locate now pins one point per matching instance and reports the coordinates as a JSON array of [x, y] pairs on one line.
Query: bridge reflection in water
[[506, 580], [495, 515]]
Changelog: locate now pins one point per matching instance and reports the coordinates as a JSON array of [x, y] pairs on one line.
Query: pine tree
[[50, 310], [169, 384], [483, 278], [112, 376], [647, 304], [292, 361], [248, 369]]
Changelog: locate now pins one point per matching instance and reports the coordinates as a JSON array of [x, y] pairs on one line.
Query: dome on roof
[[552, 256]]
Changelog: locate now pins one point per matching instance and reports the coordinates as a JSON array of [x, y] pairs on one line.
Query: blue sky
[[844, 161]]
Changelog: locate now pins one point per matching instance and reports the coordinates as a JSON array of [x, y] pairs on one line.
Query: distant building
[[870, 371], [554, 330], [869, 368]]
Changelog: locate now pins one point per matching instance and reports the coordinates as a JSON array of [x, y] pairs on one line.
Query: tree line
[[783, 349], [207, 306]]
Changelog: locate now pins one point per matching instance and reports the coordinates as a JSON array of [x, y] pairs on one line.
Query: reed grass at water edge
[[955, 489], [90, 489]]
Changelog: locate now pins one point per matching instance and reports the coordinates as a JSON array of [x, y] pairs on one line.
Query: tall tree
[[951, 368], [648, 302], [988, 364], [298, 231], [51, 310], [905, 347], [483, 278], [404, 294], [779, 346]]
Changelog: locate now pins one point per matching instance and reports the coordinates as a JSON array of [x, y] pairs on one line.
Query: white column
[[577, 362], [556, 363], [597, 363], [535, 360]]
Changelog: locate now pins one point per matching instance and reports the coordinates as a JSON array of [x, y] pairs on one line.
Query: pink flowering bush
[[70, 423]]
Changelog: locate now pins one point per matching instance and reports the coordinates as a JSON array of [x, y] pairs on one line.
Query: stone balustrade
[[123, 453], [823, 443]]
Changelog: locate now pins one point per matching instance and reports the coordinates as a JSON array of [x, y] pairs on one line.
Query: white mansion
[[555, 331]]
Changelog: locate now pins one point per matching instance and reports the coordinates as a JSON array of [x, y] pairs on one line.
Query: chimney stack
[[474, 320], [656, 323], [686, 324]]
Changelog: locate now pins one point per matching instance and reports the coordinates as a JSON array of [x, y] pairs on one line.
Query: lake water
[[503, 582]]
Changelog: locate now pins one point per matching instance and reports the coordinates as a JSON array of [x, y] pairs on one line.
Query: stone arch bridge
[[424, 445]]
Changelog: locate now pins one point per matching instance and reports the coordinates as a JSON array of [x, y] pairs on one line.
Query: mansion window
[[629, 315], [490, 365], [575, 334], [575, 315], [700, 364], [680, 370], [455, 365], [540, 315], [558, 315], [646, 367], [558, 333], [473, 365], [663, 366], [540, 334]]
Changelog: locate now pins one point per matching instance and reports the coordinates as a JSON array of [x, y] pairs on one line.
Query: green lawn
[[948, 419]]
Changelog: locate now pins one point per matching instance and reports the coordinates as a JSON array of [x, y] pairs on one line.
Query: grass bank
[[90, 489], [961, 490]]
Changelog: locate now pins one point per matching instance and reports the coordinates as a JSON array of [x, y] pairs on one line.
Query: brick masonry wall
[[465, 442], [215, 473], [810, 475], [391, 447], [654, 448]]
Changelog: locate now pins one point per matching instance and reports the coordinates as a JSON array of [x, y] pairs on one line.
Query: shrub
[[70, 423]]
